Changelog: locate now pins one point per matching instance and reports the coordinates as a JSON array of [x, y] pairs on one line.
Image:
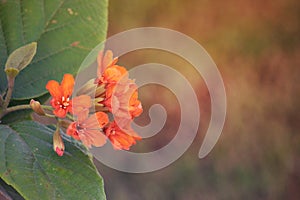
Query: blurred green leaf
[[64, 30], [17, 116], [29, 164]]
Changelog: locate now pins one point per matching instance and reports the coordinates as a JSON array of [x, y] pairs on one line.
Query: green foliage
[[29, 164], [65, 32], [49, 38]]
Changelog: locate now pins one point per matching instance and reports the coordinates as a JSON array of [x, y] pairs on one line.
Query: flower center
[[65, 102], [80, 128], [112, 132]]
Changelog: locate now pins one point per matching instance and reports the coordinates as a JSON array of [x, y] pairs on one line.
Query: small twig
[[15, 108], [47, 107], [23, 107], [70, 117], [11, 83]]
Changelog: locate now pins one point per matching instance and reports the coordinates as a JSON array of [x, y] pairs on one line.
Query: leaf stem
[[51, 116], [70, 117], [47, 107], [11, 83], [15, 108], [23, 107]]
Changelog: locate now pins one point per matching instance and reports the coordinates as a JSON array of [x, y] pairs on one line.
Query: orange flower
[[117, 94], [119, 138], [89, 131], [113, 74], [61, 101], [105, 61], [122, 99], [135, 106], [61, 94]]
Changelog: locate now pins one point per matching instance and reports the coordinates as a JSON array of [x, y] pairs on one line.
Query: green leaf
[[29, 164], [21, 57], [17, 116], [65, 31]]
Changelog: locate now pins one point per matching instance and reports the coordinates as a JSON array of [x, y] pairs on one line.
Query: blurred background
[[256, 47]]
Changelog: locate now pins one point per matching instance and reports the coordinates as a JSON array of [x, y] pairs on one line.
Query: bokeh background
[[256, 47]]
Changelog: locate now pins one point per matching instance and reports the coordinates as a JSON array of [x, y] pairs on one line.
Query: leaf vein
[[51, 17], [22, 20]]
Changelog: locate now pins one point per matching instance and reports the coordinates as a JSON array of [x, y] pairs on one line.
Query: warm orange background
[[255, 45]]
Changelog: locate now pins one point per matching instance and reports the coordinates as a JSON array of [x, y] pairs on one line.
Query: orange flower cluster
[[120, 97], [115, 93]]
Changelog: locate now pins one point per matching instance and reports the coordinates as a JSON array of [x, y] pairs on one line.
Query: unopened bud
[[37, 108], [58, 144], [98, 99], [100, 107], [99, 90], [88, 88]]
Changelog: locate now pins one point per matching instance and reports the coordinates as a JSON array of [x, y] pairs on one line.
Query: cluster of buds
[[110, 93]]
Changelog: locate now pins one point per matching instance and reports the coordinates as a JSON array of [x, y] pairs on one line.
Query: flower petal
[[102, 118], [96, 121], [60, 112], [67, 85], [107, 58], [92, 137], [83, 101], [124, 124], [114, 73], [119, 138], [54, 88], [81, 106], [72, 131], [101, 67], [105, 61], [59, 152]]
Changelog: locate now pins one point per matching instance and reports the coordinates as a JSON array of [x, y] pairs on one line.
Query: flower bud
[[100, 107], [88, 88], [98, 99], [100, 90], [37, 108], [58, 144]]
